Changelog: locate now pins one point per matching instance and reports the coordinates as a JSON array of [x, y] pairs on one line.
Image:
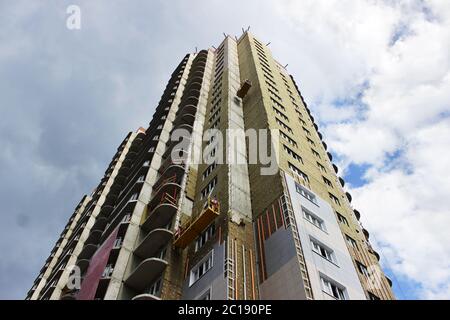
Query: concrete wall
[[343, 271]]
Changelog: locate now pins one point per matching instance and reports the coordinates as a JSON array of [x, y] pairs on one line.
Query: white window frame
[[333, 289], [205, 236], [305, 193], [323, 250], [314, 219], [206, 264]]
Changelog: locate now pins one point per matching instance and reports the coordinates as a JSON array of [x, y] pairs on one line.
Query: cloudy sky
[[376, 74]]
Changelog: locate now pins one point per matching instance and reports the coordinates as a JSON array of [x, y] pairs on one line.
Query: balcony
[[87, 251], [173, 169], [330, 156], [145, 273], [169, 185], [335, 168], [83, 264], [153, 242], [342, 182], [357, 214], [161, 214], [349, 196], [106, 210], [366, 234], [94, 237], [325, 145], [187, 109], [146, 296], [100, 223]]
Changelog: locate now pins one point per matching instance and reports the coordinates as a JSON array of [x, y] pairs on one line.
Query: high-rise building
[[166, 223]]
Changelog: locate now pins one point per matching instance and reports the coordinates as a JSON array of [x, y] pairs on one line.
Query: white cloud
[[401, 52]]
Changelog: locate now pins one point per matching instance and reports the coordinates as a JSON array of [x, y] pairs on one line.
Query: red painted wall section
[[96, 268]]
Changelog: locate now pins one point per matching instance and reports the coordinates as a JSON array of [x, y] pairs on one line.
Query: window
[[305, 193], [209, 188], [327, 182], [283, 125], [362, 269], [315, 220], [146, 163], [201, 268], [323, 251], [209, 170], [307, 132], [156, 138], [141, 178], [288, 139], [117, 243], [342, 219], [107, 272], [311, 142], [154, 288], [152, 149], [351, 242], [334, 199], [134, 196], [298, 172], [281, 114], [315, 153], [292, 153], [333, 289], [205, 296], [204, 237], [321, 167]]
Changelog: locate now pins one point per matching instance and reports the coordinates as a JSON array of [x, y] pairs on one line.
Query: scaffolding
[[188, 232]]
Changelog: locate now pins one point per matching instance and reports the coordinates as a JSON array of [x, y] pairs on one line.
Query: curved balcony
[[160, 216], [106, 210], [145, 273], [71, 295], [145, 296], [176, 154], [357, 214], [94, 237], [187, 127], [376, 255], [190, 100], [366, 233], [189, 108], [349, 196], [124, 170], [335, 168], [153, 242], [87, 251], [187, 118], [195, 85], [330, 156], [197, 73], [342, 182], [389, 281], [315, 125], [131, 154], [195, 78], [325, 145], [127, 162], [320, 135], [100, 223], [83, 264], [136, 145], [115, 187], [120, 178], [110, 199], [173, 169], [166, 187]]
